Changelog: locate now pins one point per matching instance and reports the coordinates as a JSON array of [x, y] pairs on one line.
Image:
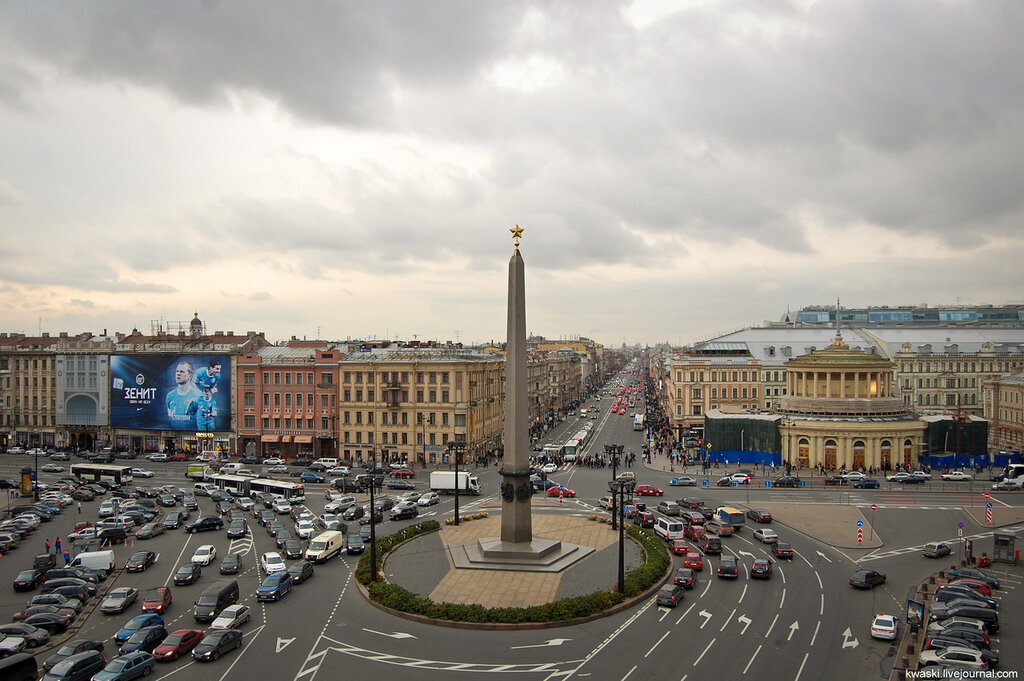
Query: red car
[[679, 547], [179, 642], [42, 610], [693, 561], [178, 457], [156, 600], [694, 532], [82, 524], [649, 491], [976, 584], [559, 491], [403, 473]]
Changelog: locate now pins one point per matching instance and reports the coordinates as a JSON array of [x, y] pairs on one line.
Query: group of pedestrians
[[57, 547]]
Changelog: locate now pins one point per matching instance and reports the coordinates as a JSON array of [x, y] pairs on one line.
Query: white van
[[204, 489], [668, 529], [229, 468], [328, 463], [95, 560], [324, 546]]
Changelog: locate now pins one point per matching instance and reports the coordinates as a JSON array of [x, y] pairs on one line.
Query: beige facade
[[408, 403], [841, 411], [1003, 403], [554, 381], [28, 391], [938, 379], [693, 385]]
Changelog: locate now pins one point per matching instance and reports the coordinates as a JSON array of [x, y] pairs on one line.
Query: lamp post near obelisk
[[516, 493]]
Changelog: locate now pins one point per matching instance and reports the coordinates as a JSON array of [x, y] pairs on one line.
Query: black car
[[384, 503], [237, 528], [45, 561], [231, 564], [974, 637], [354, 545], [140, 560], [77, 667], [759, 516], [395, 483], [205, 524], [301, 462], [670, 596], [728, 567], [300, 571], [644, 519], [684, 577], [867, 579], [378, 517], [34, 636], [27, 580], [174, 520], [52, 585], [353, 513], [215, 643], [710, 544], [292, 548], [834, 480], [346, 485], [78, 645], [187, 574], [782, 549], [53, 622], [146, 638], [786, 481]]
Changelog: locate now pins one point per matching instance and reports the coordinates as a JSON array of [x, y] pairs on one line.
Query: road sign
[[988, 515], [987, 495], [959, 533], [767, 483], [988, 505], [860, 523], [960, 525], [874, 507]]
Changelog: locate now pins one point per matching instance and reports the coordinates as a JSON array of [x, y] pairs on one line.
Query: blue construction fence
[[954, 461], [740, 457]]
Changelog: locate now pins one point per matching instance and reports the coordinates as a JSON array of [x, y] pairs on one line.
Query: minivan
[[668, 529], [989, 617], [214, 599], [718, 527], [19, 667]]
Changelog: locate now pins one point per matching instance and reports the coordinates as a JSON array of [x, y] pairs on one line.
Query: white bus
[[575, 446], [235, 485], [638, 422], [94, 472], [292, 492]]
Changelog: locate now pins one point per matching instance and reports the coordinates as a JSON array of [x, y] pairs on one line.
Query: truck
[[728, 515], [198, 471], [638, 422], [443, 482]]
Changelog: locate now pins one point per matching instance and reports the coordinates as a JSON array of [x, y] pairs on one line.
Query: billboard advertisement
[[171, 392]]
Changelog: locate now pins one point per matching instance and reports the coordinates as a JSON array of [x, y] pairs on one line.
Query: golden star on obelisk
[[517, 234]]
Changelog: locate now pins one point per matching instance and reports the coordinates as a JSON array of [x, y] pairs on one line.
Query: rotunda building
[[842, 411]]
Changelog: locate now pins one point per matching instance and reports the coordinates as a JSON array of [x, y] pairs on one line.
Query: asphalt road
[[803, 623]]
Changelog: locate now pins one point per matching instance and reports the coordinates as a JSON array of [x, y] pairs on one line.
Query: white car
[[204, 555], [741, 478], [273, 461], [245, 473], [156, 457], [338, 471], [51, 468], [280, 468], [232, 617], [956, 476], [282, 507], [87, 534], [549, 468], [305, 528], [244, 503], [142, 473], [107, 509], [853, 476], [428, 499], [410, 496], [340, 504], [884, 627], [272, 562], [969, 657], [766, 536]]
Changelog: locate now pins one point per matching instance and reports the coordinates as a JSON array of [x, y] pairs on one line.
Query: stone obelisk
[[516, 523]]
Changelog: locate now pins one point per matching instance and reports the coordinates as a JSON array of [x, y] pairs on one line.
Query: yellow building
[[1003, 400]]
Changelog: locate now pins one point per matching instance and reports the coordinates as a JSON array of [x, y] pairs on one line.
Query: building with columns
[[842, 410]]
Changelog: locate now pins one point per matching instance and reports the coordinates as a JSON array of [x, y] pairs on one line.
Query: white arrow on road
[[550, 642], [792, 628], [745, 621], [397, 634], [746, 553], [282, 643], [847, 643], [824, 556], [707, 617]]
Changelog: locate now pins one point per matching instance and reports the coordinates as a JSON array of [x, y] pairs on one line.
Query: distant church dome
[[196, 326]]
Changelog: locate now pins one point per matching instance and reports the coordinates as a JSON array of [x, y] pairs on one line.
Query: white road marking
[[743, 594], [752, 659], [685, 613], [647, 654], [800, 671], [728, 619], [768, 633], [695, 662], [815, 637]]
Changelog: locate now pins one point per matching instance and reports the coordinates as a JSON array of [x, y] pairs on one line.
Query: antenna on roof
[[838, 334]]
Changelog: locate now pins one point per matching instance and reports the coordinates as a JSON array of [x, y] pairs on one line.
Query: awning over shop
[[286, 438], [270, 438], [304, 439]]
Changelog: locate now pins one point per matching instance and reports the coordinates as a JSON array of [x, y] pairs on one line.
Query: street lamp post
[[373, 508], [622, 487], [454, 448], [35, 483], [613, 451]]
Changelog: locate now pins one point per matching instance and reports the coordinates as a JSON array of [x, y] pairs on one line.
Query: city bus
[[292, 492], [575, 446], [551, 452], [1013, 471], [94, 472], [235, 485]]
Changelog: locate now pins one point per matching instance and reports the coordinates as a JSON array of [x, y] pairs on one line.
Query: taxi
[[884, 627]]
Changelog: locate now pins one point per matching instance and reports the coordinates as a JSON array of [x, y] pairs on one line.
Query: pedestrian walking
[[67, 558], [47, 545], [57, 544], [79, 506]]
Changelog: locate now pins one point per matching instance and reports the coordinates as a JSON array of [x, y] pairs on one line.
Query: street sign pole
[[874, 507]]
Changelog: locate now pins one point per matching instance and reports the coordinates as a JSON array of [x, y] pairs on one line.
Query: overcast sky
[[351, 169]]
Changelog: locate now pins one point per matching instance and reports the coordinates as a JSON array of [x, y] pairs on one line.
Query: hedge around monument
[[654, 568]]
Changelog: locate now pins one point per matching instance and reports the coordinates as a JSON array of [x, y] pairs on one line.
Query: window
[[287, 399], [298, 378], [419, 376], [277, 378], [433, 377], [444, 418], [250, 420], [370, 377], [444, 396], [277, 399], [359, 418], [266, 399], [309, 377], [249, 378], [419, 395], [250, 399], [359, 377], [369, 394], [288, 378], [266, 377], [345, 418], [444, 376], [433, 396], [359, 395], [323, 401]]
